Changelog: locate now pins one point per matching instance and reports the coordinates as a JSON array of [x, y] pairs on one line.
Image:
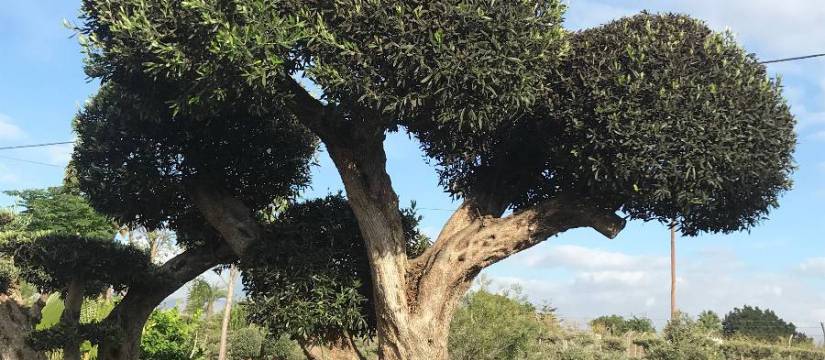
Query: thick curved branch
[[500, 238], [456, 258], [231, 217], [321, 119], [131, 313]]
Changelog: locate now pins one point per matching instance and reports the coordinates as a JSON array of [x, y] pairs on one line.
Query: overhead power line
[[792, 58], [35, 145], [29, 161]]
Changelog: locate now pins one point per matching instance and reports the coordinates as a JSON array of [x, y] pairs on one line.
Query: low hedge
[[755, 351]]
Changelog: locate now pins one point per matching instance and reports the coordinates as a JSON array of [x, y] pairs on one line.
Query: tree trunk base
[[343, 349], [15, 324]]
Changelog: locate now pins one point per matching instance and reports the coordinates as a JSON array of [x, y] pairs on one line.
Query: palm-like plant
[[202, 296]]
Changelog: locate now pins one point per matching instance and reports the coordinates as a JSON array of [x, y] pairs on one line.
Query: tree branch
[[131, 313], [321, 119], [531, 226], [471, 243], [230, 216]]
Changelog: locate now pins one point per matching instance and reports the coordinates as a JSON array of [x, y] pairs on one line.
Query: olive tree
[[535, 129], [139, 165], [77, 267]]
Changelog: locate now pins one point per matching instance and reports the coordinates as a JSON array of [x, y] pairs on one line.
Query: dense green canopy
[[653, 115], [760, 324], [57, 210], [311, 280], [138, 162], [51, 262]]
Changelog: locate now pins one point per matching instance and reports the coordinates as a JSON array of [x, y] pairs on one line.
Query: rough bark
[[343, 349], [71, 318], [470, 243], [415, 300], [361, 162], [15, 322], [228, 215], [130, 315]]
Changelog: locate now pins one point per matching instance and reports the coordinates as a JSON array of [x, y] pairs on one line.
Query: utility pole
[[227, 311], [822, 325], [673, 311]]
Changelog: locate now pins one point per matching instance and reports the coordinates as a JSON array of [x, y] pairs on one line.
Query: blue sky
[[780, 264]]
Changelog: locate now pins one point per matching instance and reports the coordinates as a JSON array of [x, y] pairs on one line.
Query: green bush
[[755, 351], [246, 343], [281, 349], [617, 325], [771, 328], [683, 339], [492, 326], [167, 336]]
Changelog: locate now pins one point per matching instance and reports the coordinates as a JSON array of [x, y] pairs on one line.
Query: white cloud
[[813, 266], [623, 278], [579, 257], [598, 282], [8, 130]]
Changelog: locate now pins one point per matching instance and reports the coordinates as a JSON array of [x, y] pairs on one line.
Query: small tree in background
[[77, 267], [758, 324], [710, 322], [617, 325], [168, 336], [60, 210], [202, 296], [494, 326]]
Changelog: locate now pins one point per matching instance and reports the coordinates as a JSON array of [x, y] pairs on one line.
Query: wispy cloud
[[583, 258], [9, 130], [813, 266], [599, 282]]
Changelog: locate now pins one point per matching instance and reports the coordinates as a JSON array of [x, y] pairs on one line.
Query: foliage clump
[[58, 210], [8, 276], [311, 280], [617, 325], [760, 324], [494, 326], [167, 336], [52, 262], [132, 143]]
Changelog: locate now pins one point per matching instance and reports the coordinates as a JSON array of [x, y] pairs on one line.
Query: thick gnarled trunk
[[415, 299], [71, 318], [130, 315], [15, 322]]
